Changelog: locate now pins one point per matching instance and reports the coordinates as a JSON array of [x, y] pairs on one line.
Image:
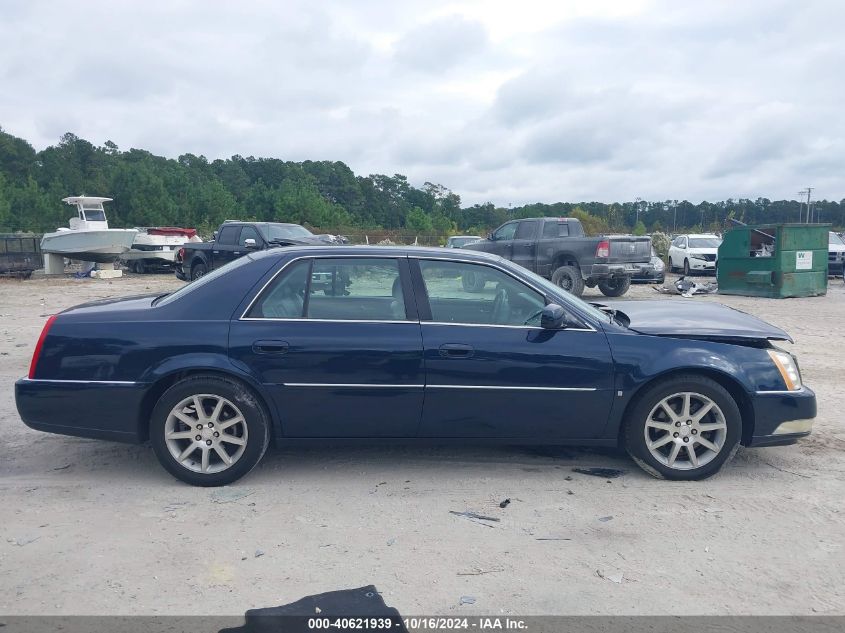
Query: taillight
[[39, 345], [180, 256], [603, 249]]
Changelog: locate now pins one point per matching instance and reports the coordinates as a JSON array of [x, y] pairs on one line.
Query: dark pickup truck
[[235, 239], [558, 249]]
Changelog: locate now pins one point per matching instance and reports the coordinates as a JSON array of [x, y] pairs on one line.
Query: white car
[[835, 255], [696, 252]]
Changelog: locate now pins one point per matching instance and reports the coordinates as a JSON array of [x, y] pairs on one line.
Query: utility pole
[[809, 208], [637, 202], [801, 206]]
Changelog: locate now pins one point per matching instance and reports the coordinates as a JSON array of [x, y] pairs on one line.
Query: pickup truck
[[235, 239], [559, 250]]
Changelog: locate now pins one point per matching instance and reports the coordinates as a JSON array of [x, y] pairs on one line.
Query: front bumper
[[102, 410], [701, 264], [782, 417]]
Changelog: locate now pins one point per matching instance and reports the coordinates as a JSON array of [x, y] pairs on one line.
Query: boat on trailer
[[156, 246], [88, 237]]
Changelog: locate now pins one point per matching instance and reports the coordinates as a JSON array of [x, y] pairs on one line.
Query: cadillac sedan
[[317, 343]]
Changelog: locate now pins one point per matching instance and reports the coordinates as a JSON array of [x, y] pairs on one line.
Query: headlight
[[787, 367]]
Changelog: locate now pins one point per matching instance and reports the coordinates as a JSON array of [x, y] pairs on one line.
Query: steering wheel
[[501, 307]]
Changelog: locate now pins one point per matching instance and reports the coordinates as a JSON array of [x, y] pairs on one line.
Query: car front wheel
[[209, 430], [683, 428]]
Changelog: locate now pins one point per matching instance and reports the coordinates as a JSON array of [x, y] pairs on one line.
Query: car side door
[[492, 372], [336, 342], [524, 244], [502, 239], [248, 232]]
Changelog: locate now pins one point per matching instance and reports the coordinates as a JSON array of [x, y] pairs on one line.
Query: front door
[[492, 372], [336, 341]]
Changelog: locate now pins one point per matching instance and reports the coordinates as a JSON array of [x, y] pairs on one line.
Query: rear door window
[[342, 289]]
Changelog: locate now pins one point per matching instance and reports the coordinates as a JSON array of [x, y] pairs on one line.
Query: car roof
[[376, 251], [700, 235]]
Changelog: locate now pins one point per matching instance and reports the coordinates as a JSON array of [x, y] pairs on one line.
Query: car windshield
[[199, 283], [283, 231], [704, 242], [835, 239]]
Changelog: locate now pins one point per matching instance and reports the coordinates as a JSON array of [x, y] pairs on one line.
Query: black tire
[[634, 427], [256, 421], [686, 268], [198, 270], [138, 267], [569, 278], [615, 286], [472, 282]]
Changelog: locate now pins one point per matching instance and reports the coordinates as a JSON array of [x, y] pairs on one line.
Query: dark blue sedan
[[313, 343]]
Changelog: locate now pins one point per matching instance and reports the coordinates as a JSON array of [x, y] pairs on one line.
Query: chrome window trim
[[508, 327], [445, 258], [304, 320], [510, 388], [83, 382]]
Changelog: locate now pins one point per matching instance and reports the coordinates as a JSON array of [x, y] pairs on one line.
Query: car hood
[[695, 319]]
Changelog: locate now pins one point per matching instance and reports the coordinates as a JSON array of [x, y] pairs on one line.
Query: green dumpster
[[774, 260]]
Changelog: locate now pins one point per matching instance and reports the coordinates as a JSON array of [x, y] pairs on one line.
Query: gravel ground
[[90, 527]]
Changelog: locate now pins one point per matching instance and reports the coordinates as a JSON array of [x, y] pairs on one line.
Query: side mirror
[[214, 235], [491, 237], [552, 317], [250, 243]]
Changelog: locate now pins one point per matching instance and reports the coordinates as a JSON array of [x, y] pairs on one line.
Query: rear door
[[524, 244], [336, 341]]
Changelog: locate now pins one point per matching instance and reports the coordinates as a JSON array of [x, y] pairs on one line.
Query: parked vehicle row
[[378, 343]]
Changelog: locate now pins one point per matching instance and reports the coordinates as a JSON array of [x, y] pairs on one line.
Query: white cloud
[[501, 101]]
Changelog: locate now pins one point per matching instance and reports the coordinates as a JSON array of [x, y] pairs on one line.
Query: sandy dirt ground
[[90, 527]]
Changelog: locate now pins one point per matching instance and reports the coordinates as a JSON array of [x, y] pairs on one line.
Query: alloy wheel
[[206, 433], [685, 431]]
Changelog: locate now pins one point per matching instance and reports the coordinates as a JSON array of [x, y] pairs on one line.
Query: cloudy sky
[[512, 102]]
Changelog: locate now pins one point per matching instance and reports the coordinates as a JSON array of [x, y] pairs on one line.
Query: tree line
[[150, 190]]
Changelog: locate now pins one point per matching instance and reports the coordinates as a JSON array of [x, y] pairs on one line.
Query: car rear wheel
[[569, 278], [209, 430], [683, 428], [615, 286], [198, 270]]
